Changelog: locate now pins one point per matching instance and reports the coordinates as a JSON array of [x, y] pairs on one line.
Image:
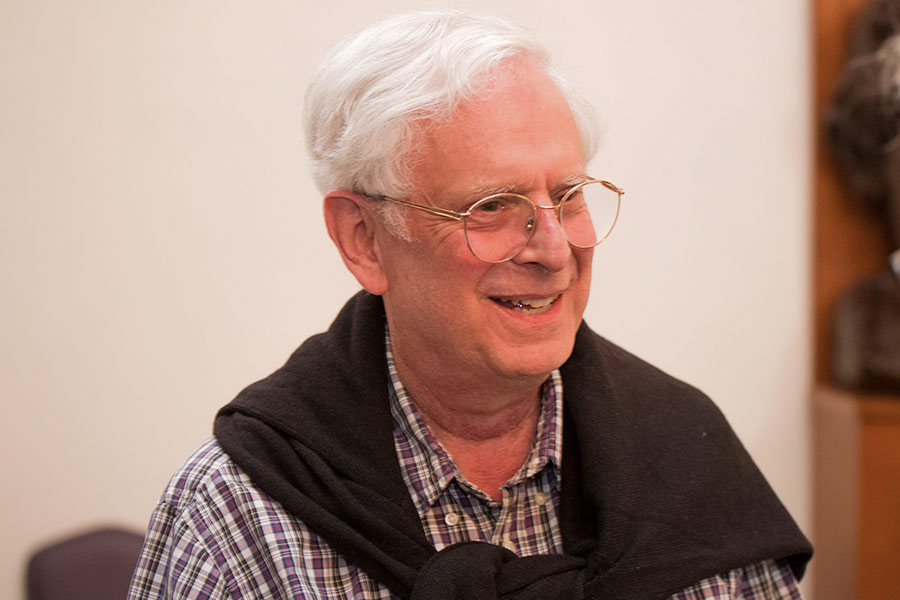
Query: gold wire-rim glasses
[[463, 216]]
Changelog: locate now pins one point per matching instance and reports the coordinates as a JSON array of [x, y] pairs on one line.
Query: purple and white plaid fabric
[[214, 534]]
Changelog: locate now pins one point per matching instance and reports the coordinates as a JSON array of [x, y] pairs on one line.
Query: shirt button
[[540, 498], [451, 519]]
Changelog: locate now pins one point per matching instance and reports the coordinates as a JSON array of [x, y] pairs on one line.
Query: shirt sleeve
[[215, 536], [174, 564], [767, 580]]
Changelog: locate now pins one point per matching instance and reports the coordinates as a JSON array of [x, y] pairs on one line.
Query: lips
[[527, 306]]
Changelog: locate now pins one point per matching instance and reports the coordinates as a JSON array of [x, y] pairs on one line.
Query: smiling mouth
[[527, 306]]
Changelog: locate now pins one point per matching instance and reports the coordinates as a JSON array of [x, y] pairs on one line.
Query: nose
[[548, 245]]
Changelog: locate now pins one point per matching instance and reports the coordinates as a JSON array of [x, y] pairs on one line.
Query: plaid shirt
[[214, 534]]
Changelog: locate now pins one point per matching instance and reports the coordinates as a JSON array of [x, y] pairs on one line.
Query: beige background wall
[[161, 243]]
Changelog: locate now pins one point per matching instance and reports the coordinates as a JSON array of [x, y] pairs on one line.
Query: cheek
[[434, 271], [443, 278], [585, 260], [584, 263]]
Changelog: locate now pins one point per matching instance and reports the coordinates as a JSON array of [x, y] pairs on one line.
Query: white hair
[[371, 91]]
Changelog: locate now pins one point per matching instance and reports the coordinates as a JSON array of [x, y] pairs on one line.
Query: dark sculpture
[[863, 127]]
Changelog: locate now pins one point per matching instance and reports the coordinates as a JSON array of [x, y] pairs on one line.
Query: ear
[[352, 228]]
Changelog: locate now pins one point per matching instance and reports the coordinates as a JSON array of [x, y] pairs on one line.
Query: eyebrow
[[480, 192]]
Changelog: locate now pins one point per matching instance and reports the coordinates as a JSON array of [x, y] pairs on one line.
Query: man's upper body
[[318, 487], [453, 163]]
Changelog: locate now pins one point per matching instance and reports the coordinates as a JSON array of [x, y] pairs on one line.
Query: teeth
[[529, 305], [538, 303]]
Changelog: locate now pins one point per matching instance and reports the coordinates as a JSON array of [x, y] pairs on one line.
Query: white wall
[[161, 244]]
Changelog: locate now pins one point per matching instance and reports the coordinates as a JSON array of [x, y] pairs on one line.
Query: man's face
[[446, 309]]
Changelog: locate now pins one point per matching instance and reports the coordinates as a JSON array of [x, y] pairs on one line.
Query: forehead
[[518, 132]]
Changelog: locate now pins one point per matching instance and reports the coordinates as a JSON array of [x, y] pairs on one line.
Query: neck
[[487, 430]]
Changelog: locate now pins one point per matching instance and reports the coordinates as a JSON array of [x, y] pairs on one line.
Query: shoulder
[[214, 534], [205, 476], [759, 581], [209, 462], [209, 494], [213, 499], [632, 386]]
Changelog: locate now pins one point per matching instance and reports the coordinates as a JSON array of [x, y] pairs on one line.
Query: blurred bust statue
[[863, 126]]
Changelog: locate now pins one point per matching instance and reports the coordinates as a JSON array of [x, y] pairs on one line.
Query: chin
[[536, 360]]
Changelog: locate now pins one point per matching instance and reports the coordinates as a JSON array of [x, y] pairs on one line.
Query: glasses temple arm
[[435, 210]]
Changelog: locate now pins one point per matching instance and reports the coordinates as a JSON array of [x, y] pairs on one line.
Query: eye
[[576, 200], [493, 205], [558, 197]]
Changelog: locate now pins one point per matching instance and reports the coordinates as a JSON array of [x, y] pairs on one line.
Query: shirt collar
[[427, 467]]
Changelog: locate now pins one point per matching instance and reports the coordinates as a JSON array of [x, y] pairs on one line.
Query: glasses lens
[[499, 226], [589, 213]]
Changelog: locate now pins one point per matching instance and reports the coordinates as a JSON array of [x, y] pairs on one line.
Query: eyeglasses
[[499, 226]]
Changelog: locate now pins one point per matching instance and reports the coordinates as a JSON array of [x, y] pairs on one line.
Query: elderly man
[[458, 432]]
